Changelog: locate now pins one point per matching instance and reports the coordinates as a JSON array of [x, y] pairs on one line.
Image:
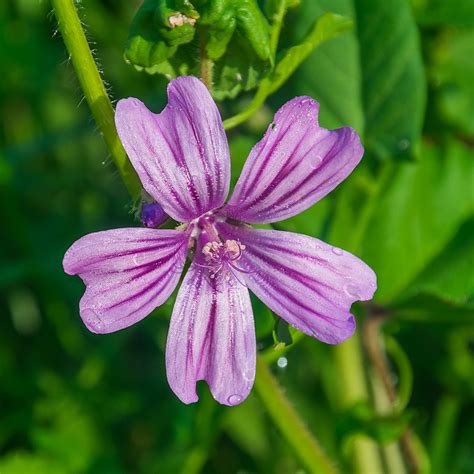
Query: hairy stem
[[290, 424], [206, 64], [93, 88]]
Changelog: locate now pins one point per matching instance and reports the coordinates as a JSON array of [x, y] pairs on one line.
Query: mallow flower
[[182, 159]]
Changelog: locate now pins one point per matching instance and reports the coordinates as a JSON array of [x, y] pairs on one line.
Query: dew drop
[[352, 290], [336, 251], [247, 375], [92, 320], [315, 162], [234, 399], [282, 362]]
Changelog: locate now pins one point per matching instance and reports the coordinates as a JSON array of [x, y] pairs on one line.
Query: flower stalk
[[94, 88], [289, 423]]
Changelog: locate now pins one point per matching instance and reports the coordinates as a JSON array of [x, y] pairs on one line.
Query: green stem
[[365, 456], [277, 23], [93, 88], [444, 425], [348, 356], [272, 354], [290, 424]]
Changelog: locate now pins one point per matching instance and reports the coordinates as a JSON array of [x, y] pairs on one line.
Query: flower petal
[[305, 281], [295, 165], [127, 272], [211, 337], [181, 155]]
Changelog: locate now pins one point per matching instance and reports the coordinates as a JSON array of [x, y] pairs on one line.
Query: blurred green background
[[75, 402]]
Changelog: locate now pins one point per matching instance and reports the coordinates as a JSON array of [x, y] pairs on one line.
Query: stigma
[[222, 258]]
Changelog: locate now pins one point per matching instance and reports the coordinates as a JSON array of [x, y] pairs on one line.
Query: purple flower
[[182, 158]]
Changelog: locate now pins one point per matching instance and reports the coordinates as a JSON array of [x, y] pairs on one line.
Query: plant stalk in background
[[94, 88]]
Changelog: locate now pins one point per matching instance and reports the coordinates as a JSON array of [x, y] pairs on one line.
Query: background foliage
[[74, 402]]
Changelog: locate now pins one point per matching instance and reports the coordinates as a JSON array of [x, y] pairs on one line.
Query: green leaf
[[428, 310], [442, 12], [419, 212], [362, 418], [452, 76], [372, 79], [450, 276], [326, 27], [331, 74], [165, 37], [272, 7], [153, 39], [263, 317], [310, 222], [22, 462], [281, 333]]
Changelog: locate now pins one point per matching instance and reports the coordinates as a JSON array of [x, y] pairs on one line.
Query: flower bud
[[152, 214]]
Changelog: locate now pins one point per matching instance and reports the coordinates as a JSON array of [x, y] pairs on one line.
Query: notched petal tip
[[231, 400], [123, 105], [72, 260], [189, 395], [93, 322], [344, 331], [180, 154], [186, 82], [305, 281], [212, 338], [296, 164], [127, 272], [67, 264]]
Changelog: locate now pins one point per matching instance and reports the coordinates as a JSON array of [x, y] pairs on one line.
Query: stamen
[[221, 259]]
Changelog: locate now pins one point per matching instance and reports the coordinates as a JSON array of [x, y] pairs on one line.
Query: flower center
[[223, 257]]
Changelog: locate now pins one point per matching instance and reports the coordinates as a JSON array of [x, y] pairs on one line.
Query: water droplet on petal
[[234, 399], [92, 320], [336, 251], [247, 375], [316, 162], [352, 290]]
